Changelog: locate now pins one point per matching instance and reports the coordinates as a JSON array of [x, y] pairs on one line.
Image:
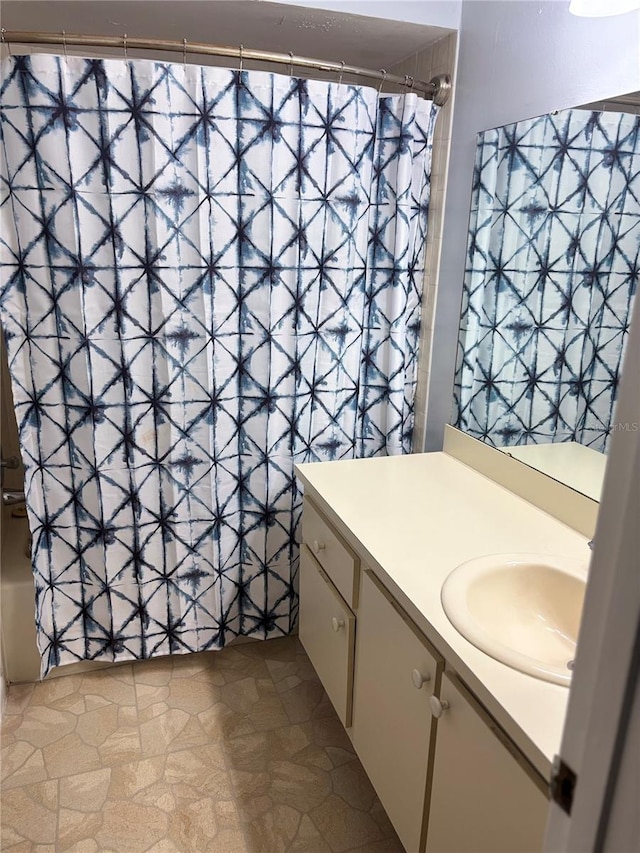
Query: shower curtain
[[552, 269], [207, 277]]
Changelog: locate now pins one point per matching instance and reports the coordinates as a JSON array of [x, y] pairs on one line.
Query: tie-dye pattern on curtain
[[208, 276], [552, 269]]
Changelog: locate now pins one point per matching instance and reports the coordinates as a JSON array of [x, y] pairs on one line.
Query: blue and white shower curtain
[[552, 269], [207, 277]]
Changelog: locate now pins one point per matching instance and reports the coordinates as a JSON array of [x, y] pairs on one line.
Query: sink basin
[[522, 609]]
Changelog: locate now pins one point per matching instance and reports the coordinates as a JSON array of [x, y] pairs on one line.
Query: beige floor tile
[[114, 685], [21, 764], [302, 788], [387, 845], [192, 696], [199, 773], [77, 828], [70, 755], [157, 734], [195, 826], [89, 845], [127, 780], [156, 672], [187, 666], [238, 751], [352, 784], [94, 727], [51, 690], [30, 814], [150, 696], [10, 725], [306, 701], [121, 746], [18, 698], [273, 830], [308, 839], [131, 826], [42, 725], [85, 792], [343, 827]]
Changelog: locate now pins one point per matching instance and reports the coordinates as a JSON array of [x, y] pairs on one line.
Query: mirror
[[552, 268]]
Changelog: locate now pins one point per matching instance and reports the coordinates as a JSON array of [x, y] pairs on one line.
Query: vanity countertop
[[413, 519]]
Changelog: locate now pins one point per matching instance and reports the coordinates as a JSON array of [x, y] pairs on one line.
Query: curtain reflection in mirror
[[552, 267]]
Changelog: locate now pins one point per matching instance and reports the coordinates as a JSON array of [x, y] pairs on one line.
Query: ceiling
[[356, 39]]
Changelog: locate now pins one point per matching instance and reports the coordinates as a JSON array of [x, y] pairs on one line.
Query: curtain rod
[[437, 89]]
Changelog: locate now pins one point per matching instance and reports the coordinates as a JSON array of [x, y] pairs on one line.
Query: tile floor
[[237, 751]]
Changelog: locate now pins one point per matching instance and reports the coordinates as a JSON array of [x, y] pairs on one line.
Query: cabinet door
[[392, 722], [326, 630], [483, 800]]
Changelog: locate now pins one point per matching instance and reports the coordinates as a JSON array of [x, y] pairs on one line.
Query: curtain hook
[[411, 82], [342, 64], [124, 46], [290, 63], [241, 59], [383, 71], [184, 52], [64, 45], [4, 41], [404, 84]]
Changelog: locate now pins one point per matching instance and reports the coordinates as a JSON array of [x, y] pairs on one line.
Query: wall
[[439, 58], [516, 60], [435, 13]]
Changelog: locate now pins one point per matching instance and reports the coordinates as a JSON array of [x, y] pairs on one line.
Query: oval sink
[[522, 609]]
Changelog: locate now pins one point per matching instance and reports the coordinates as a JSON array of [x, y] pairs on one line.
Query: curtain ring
[[411, 82], [342, 64], [184, 52], [241, 59], [4, 41], [124, 46], [64, 45], [383, 71], [290, 63], [404, 84]]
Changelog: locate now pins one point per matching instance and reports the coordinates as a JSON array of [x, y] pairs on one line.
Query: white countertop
[[413, 519]]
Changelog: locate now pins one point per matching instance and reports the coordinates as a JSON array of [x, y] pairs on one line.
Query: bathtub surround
[[208, 276], [551, 275]]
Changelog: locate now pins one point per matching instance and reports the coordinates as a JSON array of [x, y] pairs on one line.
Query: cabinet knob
[[317, 546], [336, 623], [418, 678], [438, 706]]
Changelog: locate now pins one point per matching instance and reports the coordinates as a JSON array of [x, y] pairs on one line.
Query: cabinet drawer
[[327, 632], [336, 558], [392, 723]]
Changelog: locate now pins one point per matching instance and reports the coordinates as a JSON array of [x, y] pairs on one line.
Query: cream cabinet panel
[[395, 674], [326, 630], [483, 800], [334, 555]]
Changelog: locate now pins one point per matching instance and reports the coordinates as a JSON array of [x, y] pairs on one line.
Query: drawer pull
[[419, 679], [317, 546], [336, 623], [438, 706]]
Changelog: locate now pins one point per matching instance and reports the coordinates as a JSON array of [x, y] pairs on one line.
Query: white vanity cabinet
[[396, 673], [484, 799], [328, 589], [327, 632], [447, 776]]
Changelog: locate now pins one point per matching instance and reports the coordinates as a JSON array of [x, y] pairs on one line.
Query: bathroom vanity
[[458, 745]]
